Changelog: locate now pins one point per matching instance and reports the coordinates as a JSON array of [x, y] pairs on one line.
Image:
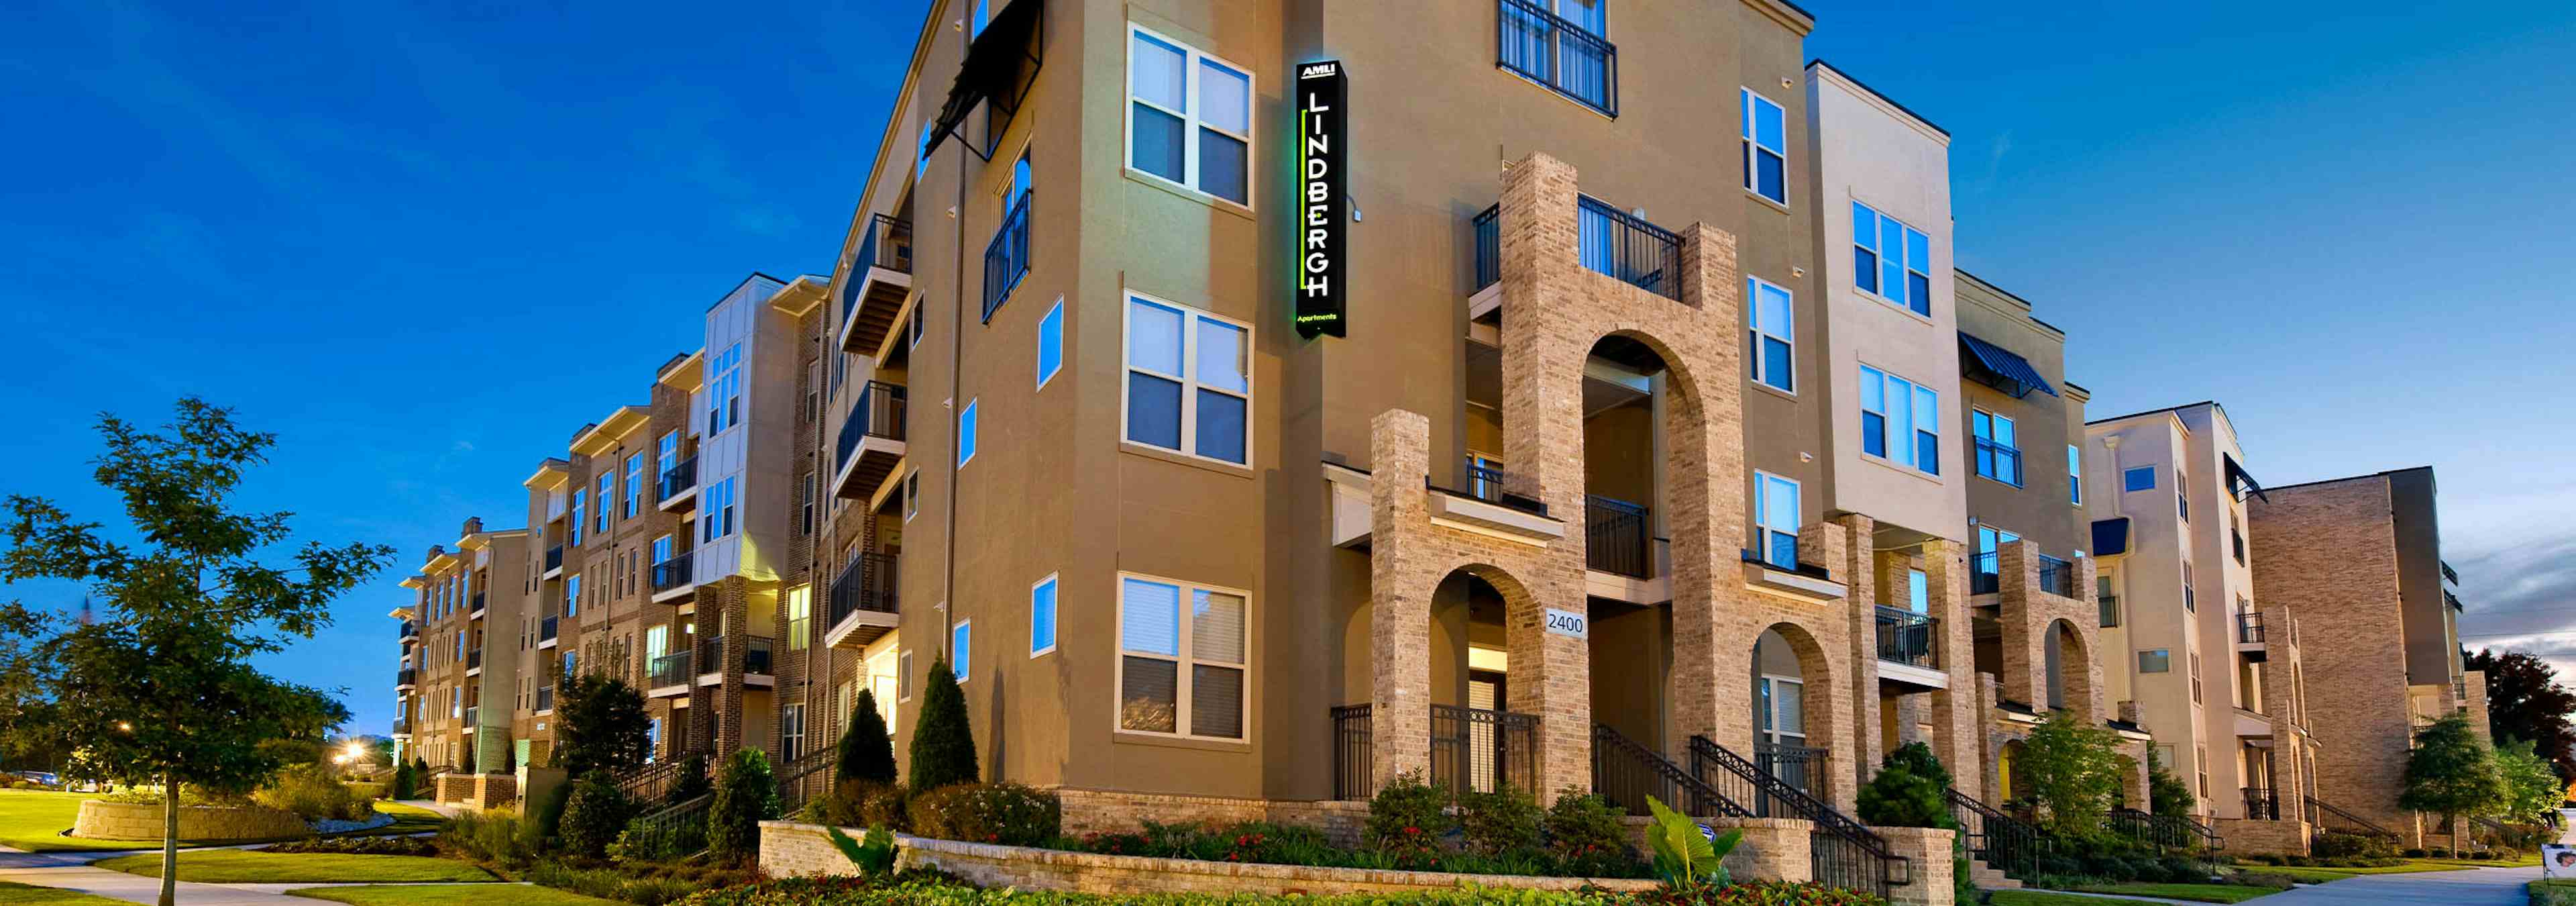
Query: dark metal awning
[[2110, 537], [1000, 65], [2001, 368], [2240, 481]]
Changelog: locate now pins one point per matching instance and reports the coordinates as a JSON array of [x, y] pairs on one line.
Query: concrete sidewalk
[[118, 885]]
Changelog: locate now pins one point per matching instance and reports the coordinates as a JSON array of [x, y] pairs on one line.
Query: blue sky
[[426, 245]]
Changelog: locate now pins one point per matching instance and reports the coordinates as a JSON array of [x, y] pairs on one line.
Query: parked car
[[47, 778]]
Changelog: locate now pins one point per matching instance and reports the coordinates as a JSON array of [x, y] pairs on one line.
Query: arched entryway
[[1792, 709], [2066, 669]]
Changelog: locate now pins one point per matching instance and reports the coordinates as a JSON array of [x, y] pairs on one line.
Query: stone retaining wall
[[143, 821], [1929, 849], [2247, 836], [1103, 811], [788, 848]]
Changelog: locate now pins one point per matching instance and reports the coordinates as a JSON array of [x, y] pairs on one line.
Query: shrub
[[1586, 837], [494, 837], [537, 834], [404, 780], [1006, 813], [313, 792], [860, 804], [594, 815], [867, 752], [1507, 820], [1407, 818], [358, 846], [641, 885], [2334, 845], [2262, 879], [644, 841], [746, 794], [2412, 852], [692, 782], [943, 743], [1898, 797]]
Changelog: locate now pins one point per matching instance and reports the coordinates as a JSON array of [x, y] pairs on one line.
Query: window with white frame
[[666, 454], [1189, 380], [634, 484], [791, 730], [961, 638], [572, 595], [1766, 143], [1042, 616], [1776, 518], [1891, 261], [903, 677], [800, 616], [724, 390], [1189, 116], [966, 434], [1998, 452], [1051, 342], [607, 495], [911, 495], [719, 514], [1183, 650], [1774, 344], [2074, 475], [572, 527], [2188, 601], [1900, 421]]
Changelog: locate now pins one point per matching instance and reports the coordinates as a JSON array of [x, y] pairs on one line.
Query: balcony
[[673, 578], [1472, 750], [679, 486], [755, 660], [402, 727], [871, 441], [1615, 537], [2262, 803], [545, 699], [1908, 638], [546, 632], [862, 606], [2249, 628], [2056, 577], [1565, 57], [477, 607], [669, 674], [473, 662], [408, 629], [554, 561], [1006, 258], [1487, 228], [1626, 247], [879, 279], [406, 678], [1984, 577], [2448, 574]]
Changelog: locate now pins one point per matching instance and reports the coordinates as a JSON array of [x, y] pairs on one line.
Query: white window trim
[[1188, 379], [1745, 134], [1904, 262], [1191, 55], [1055, 311], [911, 491], [2021, 460], [1911, 463], [2074, 475], [970, 429], [1182, 684], [1056, 618], [1774, 680], [1753, 323], [1763, 553], [903, 677], [961, 661]]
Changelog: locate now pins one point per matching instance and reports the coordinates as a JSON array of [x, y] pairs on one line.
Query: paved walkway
[[118, 885]]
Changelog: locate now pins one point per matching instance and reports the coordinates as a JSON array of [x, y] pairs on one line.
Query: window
[[1042, 616], [2109, 601], [1900, 420], [1766, 160], [2182, 502], [966, 434], [814, 386], [2155, 660], [634, 484], [719, 516], [1773, 354], [1890, 260], [1776, 519], [1998, 453], [572, 595], [2195, 677], [1918, 591], [666, 457], [1051, 343], [2236, 535], [976, 19], [724, 391], [1189, 117], [607, 494], [657, 643], [800, 613], [903, 677], [2187, 603], [2203, 769], [2074, 475], [791, 730], [1182, 658], [2141, 478], [911, 496], [662, 550], [572, 529], [960, 646], [805, 503], [1189, 384]]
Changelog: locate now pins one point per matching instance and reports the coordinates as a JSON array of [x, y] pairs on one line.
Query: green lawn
[[15, 894], [34, 821], [235, 866], [2047, 898], [464, 895], [2206, 893], [2302, 875], [2552, 892]]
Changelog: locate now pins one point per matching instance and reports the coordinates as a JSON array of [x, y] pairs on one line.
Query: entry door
[[1485, 692], [1781, 712]]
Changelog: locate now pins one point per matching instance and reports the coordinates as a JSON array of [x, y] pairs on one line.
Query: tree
[[1908, 790], [2074, 773], [2532, 789], [2451, 773], [157, 685], [600, 725], [943, 744], [866, 752], [746, 794], [2526, 701], [2166, 793]]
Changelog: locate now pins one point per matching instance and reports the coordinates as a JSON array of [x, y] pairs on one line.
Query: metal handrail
[[1567, 58], [1625, 772], [2000, 840], [674, 572], [1006, 258], [2262, 803], [866, 583], [2360, 824], [2056, 577], [879, 412], [1614, 535], [888, 245], [554, 558], [2249, 628], [1508, 739], [678, 478], [793, 788], [669, 670], [1874, 866], [1353, 748], [652, 780], [677, 814], [1985, 577], [546, 628], [1906, 637], [2165, 831], [1634, 251]]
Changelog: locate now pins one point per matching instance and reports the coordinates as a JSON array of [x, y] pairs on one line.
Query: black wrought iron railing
[[805, 778], [407, 676], [1478, 750], [1984, 578], [1499, 487], [554, 558], [2056, 577], [887, 244], [1006, 258], [2005, 843], [2448, 574], [2249, 628], [1557, 53], [1353, 747], [1626, 247], [546, 628], [867, 583], [1615, 536], [545, 698], [666, 823], [669, 670], [1625, 772], [756, 655], [408, 630], [1803, 768], [474, 659], [2262, 803], [478, 603], [652, 781], [1487, 229], [674, 572], [1842, 851], [878, 413], [1906, 637], [402, 725], [2163, 832], [679, 478]]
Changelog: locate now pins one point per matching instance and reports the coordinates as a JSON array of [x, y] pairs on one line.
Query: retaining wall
[[143, 821]]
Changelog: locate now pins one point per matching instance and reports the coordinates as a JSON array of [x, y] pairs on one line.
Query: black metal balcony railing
[[1626, 247], [1006, 258], [2249, 628], [1984, 577], [756, 655], [888, 244], [1906, 637], [880, 413], [2460, 690], [554, 558], [674, 572], [1559, 54], [474, 659], [867, 583], [478, 602], [1353, 747], [2448, 574], [406, 677], [545, 698], [402, 725], [546, 628], [678, 479], [1615, 536], [1480, 750], [2056, 577], [668, 670], [1488, 230], [1499, 487], [2262, 803], [409, 629]]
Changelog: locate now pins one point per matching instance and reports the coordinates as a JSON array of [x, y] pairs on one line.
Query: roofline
[[2132, 415], [2383, 473], [1873, 92]]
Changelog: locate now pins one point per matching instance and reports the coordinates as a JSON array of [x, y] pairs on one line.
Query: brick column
[[1958, 718], [1712, 635], [1828, 692], [1858, 568], [1400, 603], [2016, 579]]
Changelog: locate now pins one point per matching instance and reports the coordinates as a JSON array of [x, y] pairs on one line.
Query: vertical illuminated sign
[[1322, 200]]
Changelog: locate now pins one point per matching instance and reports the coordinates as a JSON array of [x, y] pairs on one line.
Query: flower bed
[[921, 890]]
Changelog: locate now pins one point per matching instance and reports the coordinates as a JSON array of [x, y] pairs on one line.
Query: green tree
[[158, 685], [2074, 774], [600, 725], [2526, 701], [2532, 789], [746, 794], [866, 753], [943, 743], [1908, 790], [2451, 773], [2166, 793]]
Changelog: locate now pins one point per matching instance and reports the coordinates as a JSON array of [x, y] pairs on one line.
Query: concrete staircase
[[1987, 877]]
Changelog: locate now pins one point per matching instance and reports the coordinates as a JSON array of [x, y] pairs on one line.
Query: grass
[[2206, 893], [34, 821], [2551, 892], [234, 866], [2302, 875], [469, 896], [2046, 898], [15, 894]]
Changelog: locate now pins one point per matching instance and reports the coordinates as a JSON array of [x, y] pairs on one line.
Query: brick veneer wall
[[1929, 851], [143, 821], [2243, 836]]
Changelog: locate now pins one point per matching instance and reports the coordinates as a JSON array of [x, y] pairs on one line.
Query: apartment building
[[462, 591], [2361, 559]]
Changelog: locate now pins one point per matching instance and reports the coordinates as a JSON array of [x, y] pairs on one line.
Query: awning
[[2001, 368], [2110, 537], [2240, 481], [999, 67]]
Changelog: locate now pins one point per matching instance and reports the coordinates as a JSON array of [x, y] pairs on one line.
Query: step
[[1987, 877]]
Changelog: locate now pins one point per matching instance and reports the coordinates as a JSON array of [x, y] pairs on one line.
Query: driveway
[[2474, 887]]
